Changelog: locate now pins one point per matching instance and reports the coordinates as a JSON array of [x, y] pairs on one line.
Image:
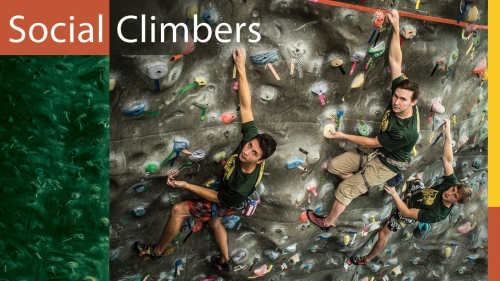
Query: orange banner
[[54, 27]]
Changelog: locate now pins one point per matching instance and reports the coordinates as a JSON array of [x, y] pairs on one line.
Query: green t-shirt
[[430, 203], [398, 136], [239, 185]]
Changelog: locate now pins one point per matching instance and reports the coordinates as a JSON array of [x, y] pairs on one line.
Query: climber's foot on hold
[[317, 220], [357, 260]]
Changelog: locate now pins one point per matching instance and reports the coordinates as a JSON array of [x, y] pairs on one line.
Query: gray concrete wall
[[295, 118]]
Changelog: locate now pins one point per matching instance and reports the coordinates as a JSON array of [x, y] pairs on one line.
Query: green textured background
[[54, 185]]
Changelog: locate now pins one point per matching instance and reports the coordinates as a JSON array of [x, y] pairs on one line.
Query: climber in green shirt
[[426, 205], [242, 172]]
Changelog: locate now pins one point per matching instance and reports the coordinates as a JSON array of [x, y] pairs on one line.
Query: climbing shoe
[[216, 261], [358, 260], [317, 220], [146, 250]]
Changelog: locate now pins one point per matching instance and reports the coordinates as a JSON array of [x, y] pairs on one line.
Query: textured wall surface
[[54, 194], [316, 34]]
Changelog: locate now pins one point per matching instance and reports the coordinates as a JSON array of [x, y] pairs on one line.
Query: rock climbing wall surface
[[157, 108], [54, 196]]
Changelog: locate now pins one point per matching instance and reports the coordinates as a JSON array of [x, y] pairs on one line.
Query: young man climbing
[[427, 205], [380, 158], [242, 172]]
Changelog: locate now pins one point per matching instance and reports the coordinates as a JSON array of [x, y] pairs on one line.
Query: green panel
[[54, 187]]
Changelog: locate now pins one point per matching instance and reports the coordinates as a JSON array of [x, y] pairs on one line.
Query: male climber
[[380, 158], [427, 205], [242, 172]]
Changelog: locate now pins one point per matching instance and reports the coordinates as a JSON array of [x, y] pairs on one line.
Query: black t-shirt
[[430, 203], [237, 186], [398, 136]]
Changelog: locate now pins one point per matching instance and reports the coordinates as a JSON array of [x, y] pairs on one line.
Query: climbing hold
[[188, 46], [112, 84], [374, 53], [421, 231], [261, 271], [210, 16], [239, 256], [438, 63], [338, 63], [271, 254], [228, 117], [447, 252], [328, 130], [139, 109], [465, 228], [374, 267], [219, 157], [480, 67], [265, 58], [396, 271], [473, 14], [476, 164], [290, 249], [391, 261], [356, 83], [206, 102], [407, 31], [229, 221], [180, 144], [362, 128], [198, 81], [303, 217], [436, 107], [312, 188], [485, 75], [346, 239], [139, 188], [320, 91], [377, 23], [191, 11], [139, 211], [295, 162], [197, 155], [157, 70], [267, 96], [357, 56]]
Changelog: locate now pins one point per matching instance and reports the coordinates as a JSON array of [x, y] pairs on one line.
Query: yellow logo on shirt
[[384, 124], [429, 195]]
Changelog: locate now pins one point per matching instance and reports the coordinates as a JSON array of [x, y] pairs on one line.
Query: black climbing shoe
[[216, 261], [146, 250]]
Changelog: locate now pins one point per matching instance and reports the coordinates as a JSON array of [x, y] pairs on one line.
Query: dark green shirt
[[430, 203], [398, 136], [239, 185]]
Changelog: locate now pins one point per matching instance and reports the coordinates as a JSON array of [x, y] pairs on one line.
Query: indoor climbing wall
[[317, 64], [54, 196]]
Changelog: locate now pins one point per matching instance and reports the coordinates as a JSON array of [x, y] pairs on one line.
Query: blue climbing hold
[[294, 163], [210, 16], [230, 221], [135, 110], [139, 188], [139, 211], [180, 144]]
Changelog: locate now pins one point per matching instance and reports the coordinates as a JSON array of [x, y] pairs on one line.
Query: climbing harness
[[369, 156]]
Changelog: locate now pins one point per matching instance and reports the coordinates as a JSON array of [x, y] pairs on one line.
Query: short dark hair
[[410, 85], [465, 192], [267, 145]]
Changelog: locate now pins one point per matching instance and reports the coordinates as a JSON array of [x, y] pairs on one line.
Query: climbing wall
[[54, 195], [159, 107]]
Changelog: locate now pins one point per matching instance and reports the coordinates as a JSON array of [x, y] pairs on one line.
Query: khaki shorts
[[376, 174]]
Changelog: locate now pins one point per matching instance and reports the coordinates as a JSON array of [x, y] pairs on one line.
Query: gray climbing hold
[[265, 58], [157, 70]]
